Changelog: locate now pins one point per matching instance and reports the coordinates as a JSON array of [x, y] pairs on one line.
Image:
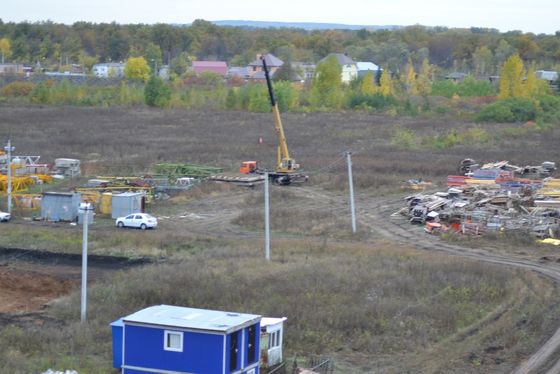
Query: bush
[[17, 89], [376, 101], [156, 92], [514, 109], [40, 94]]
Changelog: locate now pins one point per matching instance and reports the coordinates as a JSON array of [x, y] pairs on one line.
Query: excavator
[[286, 171]]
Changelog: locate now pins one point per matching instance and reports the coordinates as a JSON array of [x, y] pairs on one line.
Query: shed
[[272, 336], [127, 203], [60, 206], [173, 339]]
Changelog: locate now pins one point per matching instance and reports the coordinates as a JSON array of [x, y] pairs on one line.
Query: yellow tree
[[5, 48], [137, 68], [368, 85], [424, 81], [410, 78], [386, 84], [511, 78], [530, 87]]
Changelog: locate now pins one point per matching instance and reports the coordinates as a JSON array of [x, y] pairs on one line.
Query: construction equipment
[[286, 171]]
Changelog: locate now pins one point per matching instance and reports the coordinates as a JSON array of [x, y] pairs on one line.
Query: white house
[[272, 336], [349, 67], [365, 67], [108, 70]]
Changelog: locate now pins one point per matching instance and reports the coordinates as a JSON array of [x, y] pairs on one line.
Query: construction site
[[353, 259]]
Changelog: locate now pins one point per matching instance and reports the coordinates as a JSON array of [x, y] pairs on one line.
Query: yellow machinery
[[286, 170]]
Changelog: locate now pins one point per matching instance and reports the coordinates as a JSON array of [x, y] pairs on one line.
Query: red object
[[260, 140], [218, 67]]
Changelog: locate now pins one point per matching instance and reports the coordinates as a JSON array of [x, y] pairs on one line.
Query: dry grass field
[[370, 302]]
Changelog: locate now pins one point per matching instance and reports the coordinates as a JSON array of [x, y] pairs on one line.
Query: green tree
[[5, 48], [156, 92], [327, 83], [180, 64], [152, 54], [368, 86], [285, 72], [137, 68], [511, 78], [482, 59]]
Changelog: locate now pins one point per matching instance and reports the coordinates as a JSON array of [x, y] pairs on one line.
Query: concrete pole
[[9, 149], [351, 184], [85, 209], [266, 219]]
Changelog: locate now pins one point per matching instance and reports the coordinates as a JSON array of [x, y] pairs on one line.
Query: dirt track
[[373, 213]]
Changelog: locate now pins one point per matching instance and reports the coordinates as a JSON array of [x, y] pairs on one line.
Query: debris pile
[[495, 197]]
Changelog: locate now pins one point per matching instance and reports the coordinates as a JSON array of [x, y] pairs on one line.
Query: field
[[388, 299]]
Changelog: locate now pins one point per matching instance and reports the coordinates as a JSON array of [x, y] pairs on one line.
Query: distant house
[[365, 67], [272, 63], [305, 69], [349, 67], [218, 67], [550, 76], [108, 70], [237, 71], [163, 72], [173, 339], [11, 68]]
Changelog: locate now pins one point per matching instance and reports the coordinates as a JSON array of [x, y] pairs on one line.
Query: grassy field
[[371, 304]]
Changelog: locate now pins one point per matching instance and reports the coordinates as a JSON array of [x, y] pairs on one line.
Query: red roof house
[[218, 67]]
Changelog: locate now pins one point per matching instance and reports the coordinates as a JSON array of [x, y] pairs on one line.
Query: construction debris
[[497, 197]]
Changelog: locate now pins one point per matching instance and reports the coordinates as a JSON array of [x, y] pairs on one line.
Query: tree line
[[478, 51]]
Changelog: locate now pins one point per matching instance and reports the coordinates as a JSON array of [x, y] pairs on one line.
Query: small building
[[307, 69], [11, 68], [272, 64], [172, 339], [108, 70], [60, 206], [127, 203], [348, 66], [217, 67], [456, 76], [68, 167], [237, 71], [272, 336]]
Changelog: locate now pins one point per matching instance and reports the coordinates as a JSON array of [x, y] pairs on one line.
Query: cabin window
[[233, 350], [274, 339], [173, 341]]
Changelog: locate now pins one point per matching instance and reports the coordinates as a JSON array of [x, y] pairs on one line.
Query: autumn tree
[[326, 89], [423, 84], [482, 59], [368, 86], [386, 84], [5, 48], [137, 68], [409, 78], [511, 78]]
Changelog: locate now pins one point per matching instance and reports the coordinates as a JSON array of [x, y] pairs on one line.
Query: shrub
[[156, 92], [404, 138], [17, 89], [40, 94], [514, 109], [377, 101]]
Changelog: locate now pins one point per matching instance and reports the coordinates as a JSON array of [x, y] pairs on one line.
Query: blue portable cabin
[[180, 340]]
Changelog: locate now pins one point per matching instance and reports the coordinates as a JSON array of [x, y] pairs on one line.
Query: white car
[[139, 220], [4, 217]]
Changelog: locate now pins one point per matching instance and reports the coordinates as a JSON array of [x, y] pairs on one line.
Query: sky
[[542, 16]]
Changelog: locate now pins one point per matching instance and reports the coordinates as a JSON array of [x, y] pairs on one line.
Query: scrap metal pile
[[492, 197]]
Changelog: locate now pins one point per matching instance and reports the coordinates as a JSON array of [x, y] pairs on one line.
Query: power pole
[[9, 149], [84, 208], [351, 184], [266, 219]]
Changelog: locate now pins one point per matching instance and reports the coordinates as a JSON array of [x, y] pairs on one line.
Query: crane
[[286, 170]]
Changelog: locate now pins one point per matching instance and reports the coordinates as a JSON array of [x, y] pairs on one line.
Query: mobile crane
[[286, 171]]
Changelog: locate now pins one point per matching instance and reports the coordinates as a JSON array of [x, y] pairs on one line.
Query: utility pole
[[351, 184], [266, 219], [9, 149], [85, 208]]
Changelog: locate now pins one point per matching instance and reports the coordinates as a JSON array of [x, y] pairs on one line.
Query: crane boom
[[286, 164]]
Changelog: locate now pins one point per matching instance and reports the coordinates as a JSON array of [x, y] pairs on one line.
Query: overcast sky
[[541, 16]]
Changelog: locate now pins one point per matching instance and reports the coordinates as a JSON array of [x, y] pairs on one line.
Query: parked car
[[139, 220], [4, 217]]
